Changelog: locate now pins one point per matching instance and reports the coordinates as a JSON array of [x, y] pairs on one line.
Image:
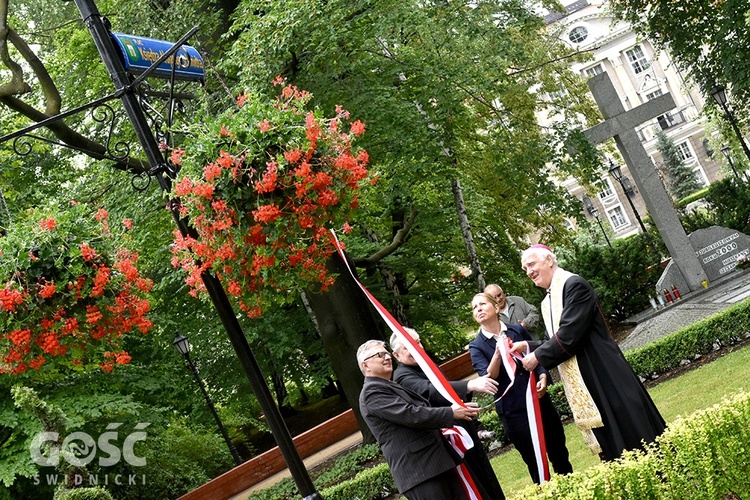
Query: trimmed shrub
[[703, 456], [727, 327], [93, 493], [369, 484]]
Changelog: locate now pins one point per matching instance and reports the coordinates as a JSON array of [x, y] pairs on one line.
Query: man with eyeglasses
[[407, 428]]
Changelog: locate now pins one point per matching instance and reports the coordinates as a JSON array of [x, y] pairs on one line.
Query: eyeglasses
[[379, 355]]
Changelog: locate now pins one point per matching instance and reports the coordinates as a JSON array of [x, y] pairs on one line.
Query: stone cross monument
[[621, 124]]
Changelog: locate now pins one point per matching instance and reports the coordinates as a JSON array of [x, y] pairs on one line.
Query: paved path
[[693, 307]]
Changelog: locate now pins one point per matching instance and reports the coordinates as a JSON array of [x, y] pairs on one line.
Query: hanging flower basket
[[262, 185], [69, 292]]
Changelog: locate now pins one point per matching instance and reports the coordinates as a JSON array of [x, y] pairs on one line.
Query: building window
[[669, 120], [606, 189], [653, 95], [684, 151], [578, 34], [701, 175], [594, 70], [637, 59], [617, 218], [558, 95]]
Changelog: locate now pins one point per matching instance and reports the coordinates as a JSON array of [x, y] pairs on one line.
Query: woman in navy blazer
[[487, 359]]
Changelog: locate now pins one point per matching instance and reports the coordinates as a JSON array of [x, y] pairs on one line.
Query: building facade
[[639, 73]]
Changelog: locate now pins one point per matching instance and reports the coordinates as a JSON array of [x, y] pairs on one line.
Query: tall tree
[[449, 92], [681, 179]]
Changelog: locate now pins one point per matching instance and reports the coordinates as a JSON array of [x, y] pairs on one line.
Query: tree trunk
[[346, 320], [391, 285], [463, 221]]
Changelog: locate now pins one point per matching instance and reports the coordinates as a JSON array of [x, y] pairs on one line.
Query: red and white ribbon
[[533, 414], [460, 440], [434, 375]]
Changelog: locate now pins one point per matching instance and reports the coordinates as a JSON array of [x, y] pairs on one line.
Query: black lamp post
[[727, 152], [720, 96], [183, 345], [616, 172], [594, 212]]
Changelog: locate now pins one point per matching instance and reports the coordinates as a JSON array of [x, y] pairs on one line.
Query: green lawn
[[675, 398]]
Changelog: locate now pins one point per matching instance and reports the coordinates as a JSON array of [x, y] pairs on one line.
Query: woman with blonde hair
[[490, 355]]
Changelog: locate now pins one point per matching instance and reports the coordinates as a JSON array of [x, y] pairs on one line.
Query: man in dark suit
[[410, 375], [408, 430]]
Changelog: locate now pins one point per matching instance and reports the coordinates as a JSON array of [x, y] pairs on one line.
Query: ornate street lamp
[[720, 96], [594, 212], [727, 152], [616, 172], [183, 345]]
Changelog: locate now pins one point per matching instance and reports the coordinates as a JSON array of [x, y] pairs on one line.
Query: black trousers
[[445, 486], [517, 429]]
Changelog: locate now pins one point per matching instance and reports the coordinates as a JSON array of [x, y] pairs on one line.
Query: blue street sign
[[138, 53]]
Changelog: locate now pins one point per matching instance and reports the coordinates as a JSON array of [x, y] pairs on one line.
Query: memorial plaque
[[718, 248]]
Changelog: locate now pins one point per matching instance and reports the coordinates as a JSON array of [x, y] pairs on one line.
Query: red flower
[[87, 252], [358, 128], [10, 298], [47, 291], [127, 223], [93, 314], [225, 159], [267, 184], [184, 187], [267, 213], [211, 172], [204, 190], [123, 358], [176, 156], [264, 126], [234, 288], [48, 224], [101, 214], [293, 156]]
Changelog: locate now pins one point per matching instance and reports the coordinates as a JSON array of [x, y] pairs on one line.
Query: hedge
[[703, 456], [727, 327]]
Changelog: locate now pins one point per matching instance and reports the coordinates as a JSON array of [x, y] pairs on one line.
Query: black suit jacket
[[408, 431], [414, 378]]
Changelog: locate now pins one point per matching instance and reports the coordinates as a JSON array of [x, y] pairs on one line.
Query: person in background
[[408, 374], [514, 309], [610, 405], [422, 463], [487, 357]]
